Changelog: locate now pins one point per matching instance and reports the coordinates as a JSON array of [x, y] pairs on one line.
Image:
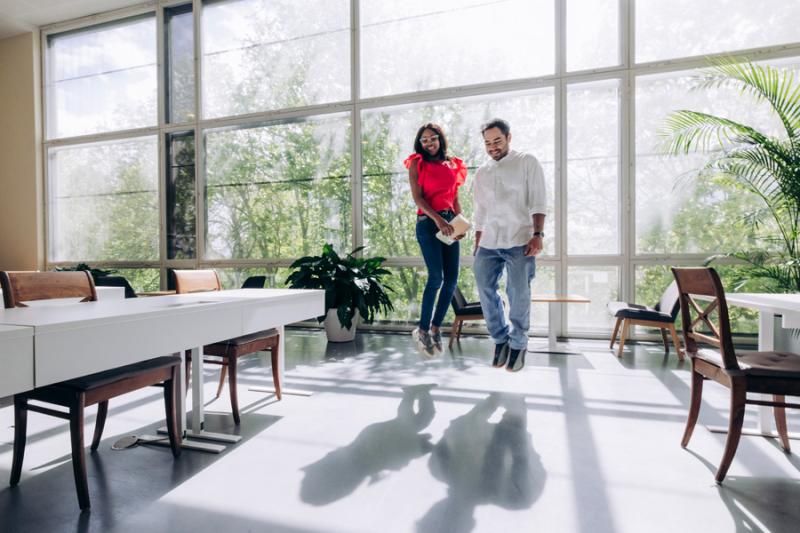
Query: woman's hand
[[444, 226]]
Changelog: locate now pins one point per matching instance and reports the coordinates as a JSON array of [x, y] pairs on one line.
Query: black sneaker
[[500, 355], [516, 359]]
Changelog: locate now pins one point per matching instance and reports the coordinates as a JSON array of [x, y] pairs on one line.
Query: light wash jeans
[[520, 271]]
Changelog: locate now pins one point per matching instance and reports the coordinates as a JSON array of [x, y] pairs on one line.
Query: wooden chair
[[775, 373], [227, 353], [662, 317], [463, 311], [79, 393]]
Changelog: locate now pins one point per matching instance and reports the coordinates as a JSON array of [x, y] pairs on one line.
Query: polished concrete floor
[[389, 441]]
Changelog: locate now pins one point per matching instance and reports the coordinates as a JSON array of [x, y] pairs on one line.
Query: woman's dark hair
[[441, 155]]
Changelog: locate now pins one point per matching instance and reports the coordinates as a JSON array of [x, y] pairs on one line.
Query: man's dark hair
[[441, 155], [499, 123]]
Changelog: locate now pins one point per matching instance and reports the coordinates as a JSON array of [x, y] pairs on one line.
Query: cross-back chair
[[771, 373], [228, 352], [77, 394]]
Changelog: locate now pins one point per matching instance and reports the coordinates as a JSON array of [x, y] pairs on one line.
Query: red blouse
[[439, 180]]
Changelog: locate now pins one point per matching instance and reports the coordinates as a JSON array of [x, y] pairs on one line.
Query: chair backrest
[[458, 302], [669, 302], [19, 287], [187, 281], [254, 282], [116, 281], [705, 282]]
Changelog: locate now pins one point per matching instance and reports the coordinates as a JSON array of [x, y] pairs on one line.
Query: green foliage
[[349, 282], [751, 160]]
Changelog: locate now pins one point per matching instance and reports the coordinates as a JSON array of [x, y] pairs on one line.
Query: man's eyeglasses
[[429, 140]]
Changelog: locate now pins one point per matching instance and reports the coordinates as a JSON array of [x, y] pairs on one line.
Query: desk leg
[[552, 325]]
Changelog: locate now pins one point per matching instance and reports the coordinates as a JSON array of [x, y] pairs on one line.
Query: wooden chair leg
[[614, 335], [232, 386], [738, 396], [694, 407], [78, 458], [676, 341], [780, 423], [664, 340], [222, 374], [100, 423], [276, 375], [623, 335], [20, 436], [170, 403], [453, 331], [460, 331]]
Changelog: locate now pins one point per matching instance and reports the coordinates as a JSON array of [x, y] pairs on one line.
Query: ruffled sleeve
[[460, 171], [410, 159]]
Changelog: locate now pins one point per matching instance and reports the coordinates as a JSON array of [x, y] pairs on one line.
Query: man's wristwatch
[[538, 234]]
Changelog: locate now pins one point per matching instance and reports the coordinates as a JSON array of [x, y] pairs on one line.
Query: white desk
[[82, 338], [16, 359], [767, 305]]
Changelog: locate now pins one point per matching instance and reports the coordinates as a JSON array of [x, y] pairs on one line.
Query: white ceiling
[[20, 16]]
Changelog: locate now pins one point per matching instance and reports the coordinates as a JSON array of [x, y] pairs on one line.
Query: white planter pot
[[334, 329]]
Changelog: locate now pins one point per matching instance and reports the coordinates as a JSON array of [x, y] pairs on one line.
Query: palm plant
[[762, 164]]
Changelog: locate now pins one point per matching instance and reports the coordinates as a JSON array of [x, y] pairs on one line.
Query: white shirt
[[506, 195]]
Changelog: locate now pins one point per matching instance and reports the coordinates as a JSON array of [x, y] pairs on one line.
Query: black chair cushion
[[763, 364], [106, 377], [470, 309], [614, 307], [644, 314]]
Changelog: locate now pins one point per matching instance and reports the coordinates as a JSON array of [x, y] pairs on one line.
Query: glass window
[[233, 278], [593, 168], [179, 23], [592, 34], [103, 201], [667, 29], [675, 213], [269, 54], [418, 45], [181, 204], [601, 285], [141, 279], [102, 78], [388, 138], [278, 190]]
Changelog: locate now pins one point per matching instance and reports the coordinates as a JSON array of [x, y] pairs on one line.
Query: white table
[[16, 359], [83, 338], [767, 305], [554, 302]]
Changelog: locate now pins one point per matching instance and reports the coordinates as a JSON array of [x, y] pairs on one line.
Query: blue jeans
[[520, 271], [442, 262]]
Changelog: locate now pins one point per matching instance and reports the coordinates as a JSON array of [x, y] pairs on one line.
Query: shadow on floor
[[388, 445], [484, 463]]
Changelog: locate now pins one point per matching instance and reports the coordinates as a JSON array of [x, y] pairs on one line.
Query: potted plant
[[353, 288], [762, 164]]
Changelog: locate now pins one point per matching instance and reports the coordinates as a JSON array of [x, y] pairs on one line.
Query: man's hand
[[534, 246]]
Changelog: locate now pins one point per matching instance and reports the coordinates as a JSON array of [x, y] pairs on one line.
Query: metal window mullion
[[560, 202], [560, 36], [199, 144], [46, 105], [356, 179], [625, 187], [161, 69]]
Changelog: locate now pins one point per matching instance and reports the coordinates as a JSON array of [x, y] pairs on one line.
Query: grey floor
[[390, 441]]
